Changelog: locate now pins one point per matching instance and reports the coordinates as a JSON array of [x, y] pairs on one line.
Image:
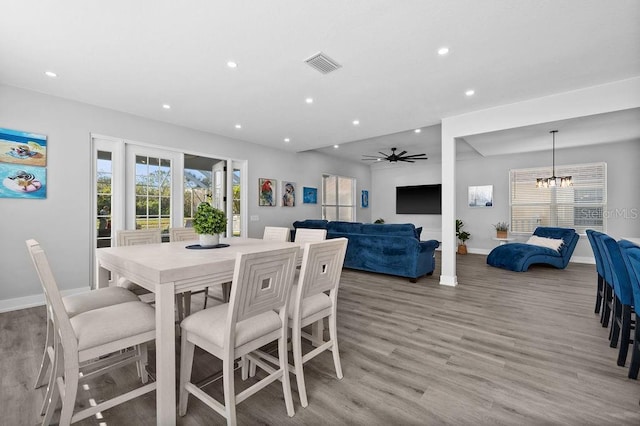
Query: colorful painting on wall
[[365, 199], [23, 156], [309, 195], [288, 194], [24, 148], [266, 192], [23, 181]]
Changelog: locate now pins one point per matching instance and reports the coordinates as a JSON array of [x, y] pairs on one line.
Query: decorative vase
[[462, 249], [501, 234], [209, 240]]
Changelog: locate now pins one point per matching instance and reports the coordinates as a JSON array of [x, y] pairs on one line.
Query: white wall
[[63, 220], [623, 197]]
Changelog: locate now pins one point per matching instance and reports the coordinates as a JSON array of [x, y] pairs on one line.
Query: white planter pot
[[208, 240]]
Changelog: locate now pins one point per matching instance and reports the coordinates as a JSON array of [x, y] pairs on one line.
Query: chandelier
[[554, 181]]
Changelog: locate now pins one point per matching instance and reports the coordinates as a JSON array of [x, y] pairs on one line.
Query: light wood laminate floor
[[501, 348]]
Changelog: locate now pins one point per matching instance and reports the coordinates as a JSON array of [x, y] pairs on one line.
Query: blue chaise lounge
[[519, 256]]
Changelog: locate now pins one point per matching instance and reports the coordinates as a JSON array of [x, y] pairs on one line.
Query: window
[[338, 198], [153, 193], [580, 206], [104, 178]]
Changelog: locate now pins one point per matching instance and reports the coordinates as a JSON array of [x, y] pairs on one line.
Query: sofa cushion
[[338, 227], [311, 223], [399, 229]]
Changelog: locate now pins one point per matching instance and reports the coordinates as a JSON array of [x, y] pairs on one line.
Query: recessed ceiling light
[[379, 159], [232, 64], [166, 106], [287, 140], [238, 126], [417, 130], [309, 100], [336, 146], [50, 74], [356, 122], [443, 51], [470, 92]]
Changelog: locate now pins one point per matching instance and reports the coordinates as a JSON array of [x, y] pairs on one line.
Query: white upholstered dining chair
[[306, 235], [255, 315], [275, 233], [320, 273], [87, 336], [74, 305]]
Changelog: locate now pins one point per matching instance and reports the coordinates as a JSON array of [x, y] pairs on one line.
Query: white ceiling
[[134, 56]]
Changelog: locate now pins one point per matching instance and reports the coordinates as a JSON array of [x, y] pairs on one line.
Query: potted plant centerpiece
[[209, 223], [502, 229], [462, 236]]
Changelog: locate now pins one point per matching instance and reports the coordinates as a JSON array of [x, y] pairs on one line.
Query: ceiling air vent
[[322, 63]]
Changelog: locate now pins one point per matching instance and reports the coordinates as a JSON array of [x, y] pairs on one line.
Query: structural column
[[448, 274]]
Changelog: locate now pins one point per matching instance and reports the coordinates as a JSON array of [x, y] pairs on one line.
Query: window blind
[[580, 206]]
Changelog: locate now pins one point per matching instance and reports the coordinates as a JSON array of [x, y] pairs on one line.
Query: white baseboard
[[18, 303]]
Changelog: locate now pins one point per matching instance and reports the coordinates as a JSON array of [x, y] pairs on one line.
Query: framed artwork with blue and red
[[266, 192], [23, 156]]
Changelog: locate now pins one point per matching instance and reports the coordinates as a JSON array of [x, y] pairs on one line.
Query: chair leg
[[53, 393], [600, 289], [229, 390], [46, 361], [299, 367], [244, 367], [634, 366], [180, 305], [284, 367], [626, 335], [142, 362], [206, 297], [186, 364], [616, 321], [333, 335], [71, 376], [606, 305]]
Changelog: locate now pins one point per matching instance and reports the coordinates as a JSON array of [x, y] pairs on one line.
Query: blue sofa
[[393, 249], [519, 256]]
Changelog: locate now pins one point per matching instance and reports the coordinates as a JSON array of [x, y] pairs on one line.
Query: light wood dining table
[[167, 269]]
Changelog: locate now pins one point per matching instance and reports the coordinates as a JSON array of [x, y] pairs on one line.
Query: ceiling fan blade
[[405, 160], [402, 153], [371, 159], [382, 153], [372, 156], [414, 155]]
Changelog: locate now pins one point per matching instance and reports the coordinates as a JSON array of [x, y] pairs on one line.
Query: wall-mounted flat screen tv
[[419, 199]]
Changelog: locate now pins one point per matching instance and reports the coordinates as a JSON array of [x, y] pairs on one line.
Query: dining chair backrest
[[182, 234], [596, 251], [52, 296], [262, 282], [621, 283], [275, 233], [631, 256], [306, 235], [138, 236], [606, 265], [321, 267]]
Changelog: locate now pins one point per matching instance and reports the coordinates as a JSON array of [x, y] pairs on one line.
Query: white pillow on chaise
[[552, 243]]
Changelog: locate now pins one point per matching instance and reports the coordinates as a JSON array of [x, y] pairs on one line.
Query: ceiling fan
[[394, 158]]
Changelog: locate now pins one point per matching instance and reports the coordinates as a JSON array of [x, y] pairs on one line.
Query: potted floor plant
[[462, 237], [502, 229], [209, 223]]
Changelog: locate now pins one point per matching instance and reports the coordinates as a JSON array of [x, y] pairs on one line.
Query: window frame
[[563, 208], [325, 205]]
